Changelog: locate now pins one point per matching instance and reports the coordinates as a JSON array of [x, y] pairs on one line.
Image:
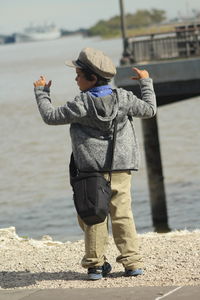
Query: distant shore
[[171, 259]]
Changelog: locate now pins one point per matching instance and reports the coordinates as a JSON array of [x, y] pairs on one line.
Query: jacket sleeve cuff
[[145, 80]]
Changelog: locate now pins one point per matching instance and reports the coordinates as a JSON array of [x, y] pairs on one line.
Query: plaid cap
[[94, 60]]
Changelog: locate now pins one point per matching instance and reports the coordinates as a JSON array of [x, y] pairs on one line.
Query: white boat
[[38, 33]]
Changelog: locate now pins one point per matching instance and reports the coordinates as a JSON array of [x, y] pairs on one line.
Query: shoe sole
[[95, 276], [133, 273]]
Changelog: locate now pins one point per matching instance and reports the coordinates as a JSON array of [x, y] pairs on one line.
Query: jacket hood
[[102, 110]]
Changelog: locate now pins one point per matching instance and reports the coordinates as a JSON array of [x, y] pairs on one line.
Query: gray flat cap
[[96, 61]]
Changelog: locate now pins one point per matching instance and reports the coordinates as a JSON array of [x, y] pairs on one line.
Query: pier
[[173, 61]]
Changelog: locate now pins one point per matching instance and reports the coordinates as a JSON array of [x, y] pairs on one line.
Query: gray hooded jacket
[[91, 129]]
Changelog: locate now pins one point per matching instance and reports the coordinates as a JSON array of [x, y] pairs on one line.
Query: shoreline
[[170, 259]]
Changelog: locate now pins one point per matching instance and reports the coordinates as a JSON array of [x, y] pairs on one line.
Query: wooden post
[[123, 26], [155, 175]]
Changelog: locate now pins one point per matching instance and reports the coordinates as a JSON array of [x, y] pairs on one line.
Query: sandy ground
[[171, 259]]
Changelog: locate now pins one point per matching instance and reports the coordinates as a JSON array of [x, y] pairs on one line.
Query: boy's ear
[[94, 78]]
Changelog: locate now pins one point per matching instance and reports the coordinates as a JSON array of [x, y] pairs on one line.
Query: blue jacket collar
[[101, 91]]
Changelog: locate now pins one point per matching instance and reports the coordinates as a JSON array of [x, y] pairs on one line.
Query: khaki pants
[[123, 228]]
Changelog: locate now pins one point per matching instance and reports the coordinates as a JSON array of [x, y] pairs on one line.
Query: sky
[[15, 15]]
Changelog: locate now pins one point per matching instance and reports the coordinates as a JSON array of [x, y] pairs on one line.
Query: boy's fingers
[[42, 82], [49, 83], [136, 70], [141, 74]]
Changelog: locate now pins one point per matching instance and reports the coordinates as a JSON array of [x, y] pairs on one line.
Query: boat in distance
[[38, 33]]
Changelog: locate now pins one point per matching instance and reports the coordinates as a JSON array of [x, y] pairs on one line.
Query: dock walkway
[[136, 293]]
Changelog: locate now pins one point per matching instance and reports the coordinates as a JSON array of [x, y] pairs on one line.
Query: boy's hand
[[140, 74], [42, 82]]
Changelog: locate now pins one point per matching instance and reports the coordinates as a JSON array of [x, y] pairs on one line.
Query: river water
[[35, 195]]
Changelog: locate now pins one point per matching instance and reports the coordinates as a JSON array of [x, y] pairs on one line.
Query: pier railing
[[182, 43]]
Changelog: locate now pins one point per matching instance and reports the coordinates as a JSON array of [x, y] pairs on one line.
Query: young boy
[[91, 115]]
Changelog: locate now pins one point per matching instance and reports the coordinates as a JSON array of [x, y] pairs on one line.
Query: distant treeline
[[141, 18]]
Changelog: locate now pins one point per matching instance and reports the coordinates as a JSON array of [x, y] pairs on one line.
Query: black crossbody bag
[[91, 191]]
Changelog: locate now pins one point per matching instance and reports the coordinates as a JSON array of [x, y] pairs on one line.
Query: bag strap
[[113, 146], [113, 143]]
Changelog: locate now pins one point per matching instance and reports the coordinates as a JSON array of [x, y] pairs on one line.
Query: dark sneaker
[[97, 273], [136, 272]]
